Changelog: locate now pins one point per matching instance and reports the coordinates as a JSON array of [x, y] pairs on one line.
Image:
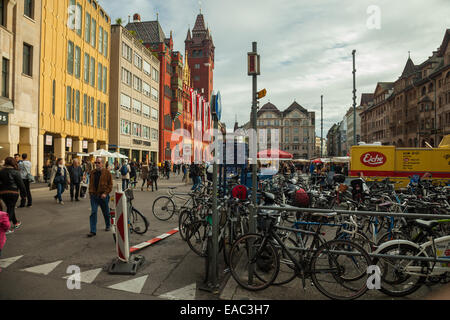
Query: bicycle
[[164, 207], [255, 261], [137, 222]]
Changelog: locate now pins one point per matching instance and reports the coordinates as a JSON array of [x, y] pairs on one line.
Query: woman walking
[[154, 175], [59, 179], [144, 176], [10, 185]]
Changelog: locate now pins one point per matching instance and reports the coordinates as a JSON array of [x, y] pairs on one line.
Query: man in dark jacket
[[76, 175], [100, 186]]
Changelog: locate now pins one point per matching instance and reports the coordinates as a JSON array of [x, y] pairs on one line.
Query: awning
[[6, 105]]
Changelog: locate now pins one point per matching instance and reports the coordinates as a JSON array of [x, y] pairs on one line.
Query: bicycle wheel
[[138, 222], [265, 261], [395, 280], [197, 237], [163, 208], [287, 271], [184, 219], [338, 270]]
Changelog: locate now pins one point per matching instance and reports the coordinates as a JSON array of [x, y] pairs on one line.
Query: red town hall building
[[179, 90]]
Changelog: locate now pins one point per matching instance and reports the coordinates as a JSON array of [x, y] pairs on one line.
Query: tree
[[119, 21]]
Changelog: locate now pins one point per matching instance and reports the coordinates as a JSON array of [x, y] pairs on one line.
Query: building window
[[77, 62], [124, 126], [146, 133], [99, 76], [91, 116], [125, 101], [100, 39], [5, 78], [155, 74], [92, 72], [69, 57], [105, 77], [93, 33], [105, 43], [68, 102], [126, 76], [146, 110], [155, 94], [137, 61], [146, 68], [29, 8], [146, 89], [154, 134], [3, 12], [28, 59], [78, 19], [87, 28], [137, 106], [137, 84], [99, 114], [136, 130], [85, 109], [154, 114], [104, 116], [86, 68], [77, 106], [126, 51], [196, 78], [197, 66]]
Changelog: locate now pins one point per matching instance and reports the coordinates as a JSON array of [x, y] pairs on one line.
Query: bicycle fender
[[393, 242]]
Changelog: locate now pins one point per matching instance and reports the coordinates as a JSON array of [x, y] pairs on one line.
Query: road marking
[[43, 268], [134, 285], [5, 263], [87, 276], [185, 293], [152, 241]]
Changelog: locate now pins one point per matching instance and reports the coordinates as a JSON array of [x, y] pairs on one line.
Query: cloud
[[305, 46]]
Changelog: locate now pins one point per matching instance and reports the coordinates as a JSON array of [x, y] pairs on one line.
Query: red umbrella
[[317, 161], [280, 154]]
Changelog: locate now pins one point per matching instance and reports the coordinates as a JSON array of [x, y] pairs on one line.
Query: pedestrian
[[76, 176], [153, 171], [184, 169], [133, 174], [145, 176], [10, 185], [167, 169], [4, 228], [46, 170], [59, 179], [27, 177], [100, 187], [125, 172], [195, 174]]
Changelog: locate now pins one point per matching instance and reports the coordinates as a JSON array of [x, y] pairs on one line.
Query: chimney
[[136, 17]]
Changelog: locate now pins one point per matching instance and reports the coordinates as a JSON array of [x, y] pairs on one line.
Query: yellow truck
[[379, 162]]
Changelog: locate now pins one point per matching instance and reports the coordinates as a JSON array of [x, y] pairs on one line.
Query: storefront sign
[[147, 143], [137, 141], [3, 118], [48, 140], [85, 144], [373, 159], [69, 142]]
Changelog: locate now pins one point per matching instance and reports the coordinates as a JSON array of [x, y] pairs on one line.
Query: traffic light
[[261, 94]]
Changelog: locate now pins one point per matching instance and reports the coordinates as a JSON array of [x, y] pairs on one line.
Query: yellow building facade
[[74, 79]]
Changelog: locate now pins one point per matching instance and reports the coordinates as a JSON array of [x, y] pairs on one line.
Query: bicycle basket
[[129, 194]]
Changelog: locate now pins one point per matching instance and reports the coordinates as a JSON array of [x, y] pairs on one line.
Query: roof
[[444, 44], [409, 69], [147, 31], [268, 107], [295, 106], [366, 98], [199, 24]]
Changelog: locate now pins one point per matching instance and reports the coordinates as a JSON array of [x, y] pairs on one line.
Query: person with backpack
[[59, 179], [133, 174], [27, 177], [125, 172], [10, 185], [153, 174]]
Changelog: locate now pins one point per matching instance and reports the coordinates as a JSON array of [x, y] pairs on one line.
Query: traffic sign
[[261, 94]]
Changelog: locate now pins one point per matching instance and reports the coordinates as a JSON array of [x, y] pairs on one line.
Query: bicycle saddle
[[328, 215], [426, 224]]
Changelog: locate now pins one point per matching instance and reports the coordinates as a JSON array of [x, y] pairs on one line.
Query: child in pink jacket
[[4, 226]]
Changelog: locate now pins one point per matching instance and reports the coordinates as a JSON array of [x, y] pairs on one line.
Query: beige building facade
[[19, 101], [134, 98]]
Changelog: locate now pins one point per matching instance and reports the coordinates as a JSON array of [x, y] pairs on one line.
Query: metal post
[[252, 221], [215, 218], [321, 126], [354, 99]]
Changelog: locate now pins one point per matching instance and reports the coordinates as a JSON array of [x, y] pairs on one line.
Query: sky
[[305, 46]]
